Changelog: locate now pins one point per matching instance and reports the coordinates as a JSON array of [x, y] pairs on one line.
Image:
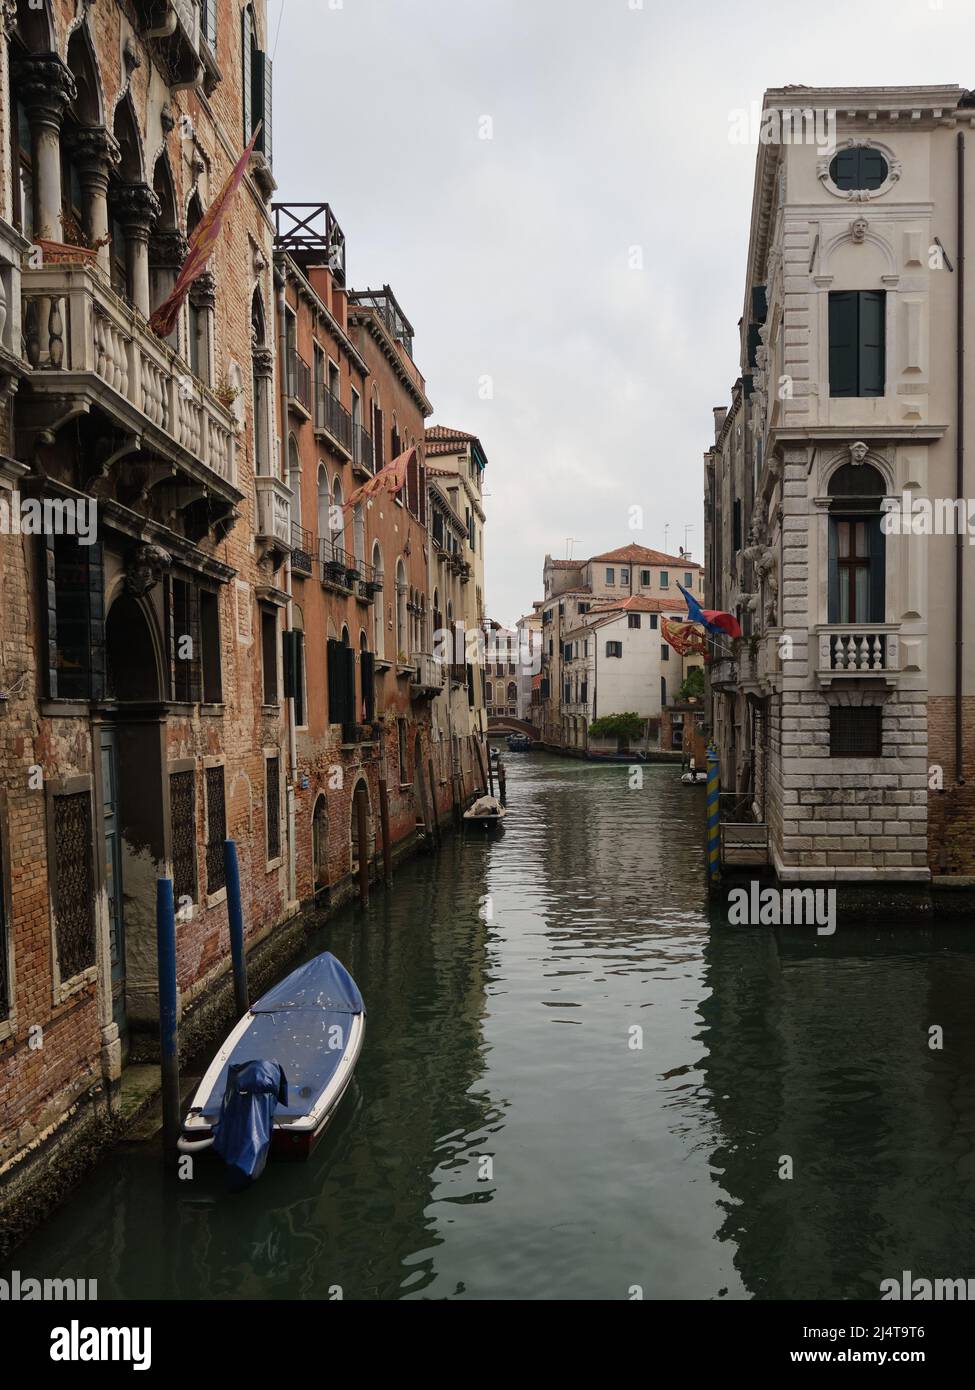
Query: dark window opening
[[269, 654], [856, 732], [216, 829], [182, 814], [74, 884], [76, 619], [633, 620], [210, 647], [273, 803]]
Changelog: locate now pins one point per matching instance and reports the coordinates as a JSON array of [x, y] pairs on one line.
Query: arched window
[[319, 843], [489, 693], [377, 430], [361, 789], [129, 269], [337, 519], [512, 693], [324, 505], [379, 633], [359, 536], [858, 168], [294, 478], [262, 371], [402, 633], [857, 558]]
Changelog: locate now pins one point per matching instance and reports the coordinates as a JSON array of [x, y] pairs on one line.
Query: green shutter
[[833, 574], [334, 677], [873, 168], [348, 702], [288, 662], [367, 664], [872, 353], [843, 355], [845, 169], [246, 46], [96, 621]]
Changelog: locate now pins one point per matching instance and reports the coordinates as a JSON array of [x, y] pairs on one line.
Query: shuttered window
[[857, 353], [341, 684], [367, 666], [71, 853], [182, 814], [858, 168], [273, 803], [75, 609], [255, 85]]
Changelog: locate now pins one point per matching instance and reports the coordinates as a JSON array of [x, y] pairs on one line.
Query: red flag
[[390, 478], [201, 248], [684, 637]]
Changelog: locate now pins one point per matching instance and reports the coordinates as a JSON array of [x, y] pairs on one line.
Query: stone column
[[263, 372], [96, 154], [46, 87], [203, 297], [137, 208], [167, 252]]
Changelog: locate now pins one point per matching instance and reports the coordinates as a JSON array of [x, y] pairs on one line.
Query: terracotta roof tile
[[639, 554]]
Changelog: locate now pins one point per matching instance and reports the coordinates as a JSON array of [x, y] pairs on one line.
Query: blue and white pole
[[714, 826]]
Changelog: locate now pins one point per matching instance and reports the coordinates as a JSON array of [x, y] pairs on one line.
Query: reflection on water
[[507, 1137]]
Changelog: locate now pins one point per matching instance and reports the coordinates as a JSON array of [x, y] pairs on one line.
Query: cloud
[[511, 256]]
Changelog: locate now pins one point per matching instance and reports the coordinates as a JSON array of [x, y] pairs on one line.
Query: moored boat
[[311, 1026]]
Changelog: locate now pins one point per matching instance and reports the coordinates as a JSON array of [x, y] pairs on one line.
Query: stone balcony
[[860, 652], [272, 527], [94, 356], [428, 678]]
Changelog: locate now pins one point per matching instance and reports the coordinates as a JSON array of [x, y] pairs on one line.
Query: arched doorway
[[319, 845], [134, 801], [361, 788]]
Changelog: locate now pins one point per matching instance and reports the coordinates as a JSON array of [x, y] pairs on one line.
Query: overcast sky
[[517, 258]]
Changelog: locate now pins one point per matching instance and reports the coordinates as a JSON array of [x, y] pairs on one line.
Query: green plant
[[626, 726], [693, 685]]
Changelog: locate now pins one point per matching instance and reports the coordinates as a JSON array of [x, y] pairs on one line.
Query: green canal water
[[506, 1138]]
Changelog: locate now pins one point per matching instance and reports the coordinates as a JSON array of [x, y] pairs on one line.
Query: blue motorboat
[[310, 1027]]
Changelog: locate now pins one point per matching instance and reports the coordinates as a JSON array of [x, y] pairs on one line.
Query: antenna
[[570, 541], [666, 531], [688, 527]]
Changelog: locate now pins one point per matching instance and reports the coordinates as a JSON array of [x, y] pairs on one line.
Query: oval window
[[860, 167]]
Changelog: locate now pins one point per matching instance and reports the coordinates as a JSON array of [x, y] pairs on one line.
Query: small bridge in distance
[[507, 724]]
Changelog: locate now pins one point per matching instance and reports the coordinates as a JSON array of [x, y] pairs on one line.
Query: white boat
[[311, 1025], [692, 779], [487, 810]]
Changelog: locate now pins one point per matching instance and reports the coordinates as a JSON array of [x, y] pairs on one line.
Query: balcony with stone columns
[[145, 426], [858, 652]]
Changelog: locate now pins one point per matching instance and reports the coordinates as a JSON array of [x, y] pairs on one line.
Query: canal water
[[574, 1086]]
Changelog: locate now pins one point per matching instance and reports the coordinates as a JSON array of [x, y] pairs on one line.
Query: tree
[[625, 726], [693, 686]]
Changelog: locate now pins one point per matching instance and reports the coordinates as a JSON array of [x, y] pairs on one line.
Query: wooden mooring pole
[[384, 826], [168, 1017], [362, 832], [433, 799]]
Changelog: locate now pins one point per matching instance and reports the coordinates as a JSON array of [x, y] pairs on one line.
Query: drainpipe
[[279, 285], [960, 464]]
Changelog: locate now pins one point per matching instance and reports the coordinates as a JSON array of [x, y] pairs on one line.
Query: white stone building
[[845, 716]]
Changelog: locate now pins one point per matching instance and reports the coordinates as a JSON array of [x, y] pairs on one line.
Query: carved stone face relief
[[858, 453], [144, 567], [858, 230]]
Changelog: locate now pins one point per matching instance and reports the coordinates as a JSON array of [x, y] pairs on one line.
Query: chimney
[[720, 415]]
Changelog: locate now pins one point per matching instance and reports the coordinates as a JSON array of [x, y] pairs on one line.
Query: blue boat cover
[[243, 1131], [322, 983], [304, 1024]]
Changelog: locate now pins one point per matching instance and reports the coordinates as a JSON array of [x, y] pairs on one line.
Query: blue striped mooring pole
[[714, 826]]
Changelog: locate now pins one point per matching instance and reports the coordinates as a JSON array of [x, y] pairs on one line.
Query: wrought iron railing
[[362, 450], [332, 416], [298, 376], [302, 549]]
